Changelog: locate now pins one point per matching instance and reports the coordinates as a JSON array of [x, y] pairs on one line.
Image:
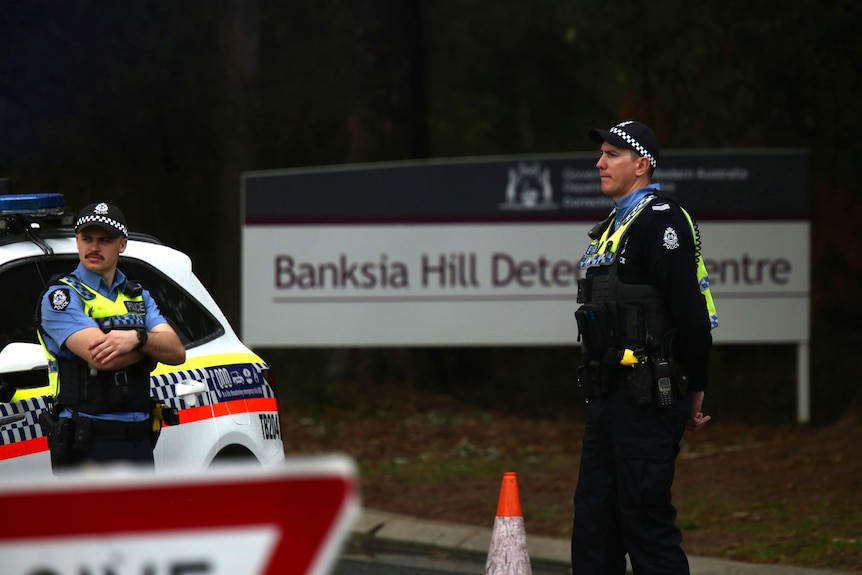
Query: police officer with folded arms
[[103, 334], [644, 323]]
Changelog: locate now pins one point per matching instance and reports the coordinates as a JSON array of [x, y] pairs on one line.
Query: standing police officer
[[103, 335], [644, 324]]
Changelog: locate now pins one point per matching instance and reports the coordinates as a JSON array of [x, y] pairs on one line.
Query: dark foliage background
[[160, 106]]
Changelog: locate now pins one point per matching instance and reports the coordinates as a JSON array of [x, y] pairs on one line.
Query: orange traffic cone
[[508, 553]]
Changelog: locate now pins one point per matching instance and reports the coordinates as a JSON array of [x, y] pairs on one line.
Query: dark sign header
[[711, 184]]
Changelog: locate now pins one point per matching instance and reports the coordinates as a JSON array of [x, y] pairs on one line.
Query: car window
[[193, 323], [22, 283]]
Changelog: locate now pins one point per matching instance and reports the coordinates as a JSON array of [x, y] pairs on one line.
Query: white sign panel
[[759, 275], [480, 284], [410, 285]]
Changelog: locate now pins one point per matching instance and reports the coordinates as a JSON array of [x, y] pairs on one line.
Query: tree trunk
[[387, 122], [239, 39], [389, 113]]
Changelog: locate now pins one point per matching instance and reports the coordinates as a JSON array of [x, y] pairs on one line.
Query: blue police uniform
[[58, 322]]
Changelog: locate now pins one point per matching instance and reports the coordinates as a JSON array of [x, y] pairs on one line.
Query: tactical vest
[[82, 388], [616, 315]]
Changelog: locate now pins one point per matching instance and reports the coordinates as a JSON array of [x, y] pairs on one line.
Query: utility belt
[[651, 379], [102, 430], [69, 439]]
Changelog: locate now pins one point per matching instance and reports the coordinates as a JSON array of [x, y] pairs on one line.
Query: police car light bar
[[35, 205]]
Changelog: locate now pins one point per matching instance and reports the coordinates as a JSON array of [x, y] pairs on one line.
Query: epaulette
[[78, 286]]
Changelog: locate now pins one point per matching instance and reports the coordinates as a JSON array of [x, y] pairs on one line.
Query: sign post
[[237, 520]]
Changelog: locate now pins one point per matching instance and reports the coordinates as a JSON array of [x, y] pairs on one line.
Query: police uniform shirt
[[61, 319], [627, 203], [658, 249]]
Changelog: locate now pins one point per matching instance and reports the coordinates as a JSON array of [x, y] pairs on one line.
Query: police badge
[[60, 299], [671, 240]]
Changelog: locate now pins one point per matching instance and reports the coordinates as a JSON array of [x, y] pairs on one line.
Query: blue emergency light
[[36, 205]]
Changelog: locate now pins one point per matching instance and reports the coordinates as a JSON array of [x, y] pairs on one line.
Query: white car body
[[227, 408]]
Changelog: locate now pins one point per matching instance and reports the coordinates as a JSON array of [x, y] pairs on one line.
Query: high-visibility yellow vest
[[76, 385], [602, 251]]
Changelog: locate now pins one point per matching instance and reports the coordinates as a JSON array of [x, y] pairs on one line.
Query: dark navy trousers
[[623, 498], [137, 452]]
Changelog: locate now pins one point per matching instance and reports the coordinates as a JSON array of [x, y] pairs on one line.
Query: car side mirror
[[22, 366], [20, 356]]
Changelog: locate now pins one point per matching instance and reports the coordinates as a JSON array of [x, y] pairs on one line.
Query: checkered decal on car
[[224, 383], [27, 427], [162, 387]]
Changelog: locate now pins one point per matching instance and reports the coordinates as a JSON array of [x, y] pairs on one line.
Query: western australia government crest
[[529, 188]]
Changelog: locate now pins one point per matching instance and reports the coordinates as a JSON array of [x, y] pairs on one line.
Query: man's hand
[[109, 349], [116, 349], [697, 419]]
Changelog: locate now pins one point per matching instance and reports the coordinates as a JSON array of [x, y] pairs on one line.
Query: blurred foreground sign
[[237, 520]]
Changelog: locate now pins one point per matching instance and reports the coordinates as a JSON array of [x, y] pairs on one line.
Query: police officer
[[644, 323], [103, 335]]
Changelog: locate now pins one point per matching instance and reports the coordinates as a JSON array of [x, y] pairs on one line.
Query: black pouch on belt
[[83, 435], [589, 374], [593, 329], [49, 422], [640, 381], [60, 432]]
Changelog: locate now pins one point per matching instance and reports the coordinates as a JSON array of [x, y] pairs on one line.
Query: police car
[[227, 407]]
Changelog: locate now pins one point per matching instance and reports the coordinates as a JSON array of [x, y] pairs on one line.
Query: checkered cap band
[[97, 219], [634, 144]]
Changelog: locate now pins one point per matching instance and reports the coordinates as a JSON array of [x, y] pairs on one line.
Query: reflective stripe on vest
[[123, 313]]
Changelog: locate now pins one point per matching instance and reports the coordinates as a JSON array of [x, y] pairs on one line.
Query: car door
[[24, 391]]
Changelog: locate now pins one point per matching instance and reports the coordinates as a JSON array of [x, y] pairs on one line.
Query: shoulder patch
[[671, 240], [662, 207], [60, 299]]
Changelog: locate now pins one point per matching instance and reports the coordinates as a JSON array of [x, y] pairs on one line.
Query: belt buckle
[[121, 379]]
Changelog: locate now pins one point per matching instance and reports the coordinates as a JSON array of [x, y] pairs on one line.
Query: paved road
[[420, 564]]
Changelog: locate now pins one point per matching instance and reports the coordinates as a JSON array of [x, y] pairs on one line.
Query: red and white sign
[[237, 520]]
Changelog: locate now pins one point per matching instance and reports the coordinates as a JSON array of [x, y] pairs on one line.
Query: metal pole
[[803, 385]]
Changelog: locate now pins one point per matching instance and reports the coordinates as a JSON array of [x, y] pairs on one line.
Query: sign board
[[237, 520], [486, 251]]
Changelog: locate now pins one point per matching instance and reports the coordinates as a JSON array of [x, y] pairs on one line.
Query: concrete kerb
[[382, 532]]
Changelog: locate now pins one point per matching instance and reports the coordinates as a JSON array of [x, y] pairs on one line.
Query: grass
[[769, 530], [775, 531], [466, 461]]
